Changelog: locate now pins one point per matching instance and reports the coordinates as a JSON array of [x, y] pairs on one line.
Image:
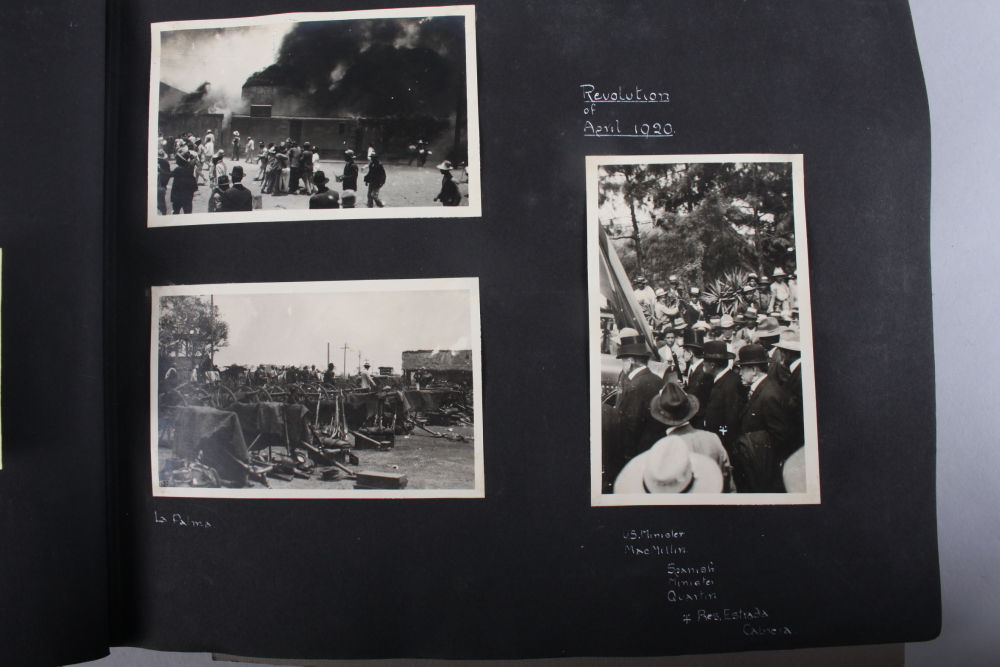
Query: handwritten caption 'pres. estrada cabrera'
[[632, 126]]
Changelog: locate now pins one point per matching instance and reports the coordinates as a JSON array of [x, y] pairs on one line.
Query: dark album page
[[519, 330], [53, 586]]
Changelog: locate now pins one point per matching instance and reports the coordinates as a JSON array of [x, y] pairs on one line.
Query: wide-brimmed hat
[[726, 321], [632, 344], [752, 355], [680, 325], [789, 340], [236, 134], [748, 288], [716, 350], [778, 271], [764, 280], [751, 275], [319, 178], [669, 466], [673, 406], [660, 292], [768, 327], [694, 338], [640, 279], [445, 166], [701, 325]]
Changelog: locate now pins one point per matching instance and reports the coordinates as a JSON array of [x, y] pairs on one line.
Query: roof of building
[[438, 360]]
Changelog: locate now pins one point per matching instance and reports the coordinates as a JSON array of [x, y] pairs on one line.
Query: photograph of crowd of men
[[270, 115], [700, 284]]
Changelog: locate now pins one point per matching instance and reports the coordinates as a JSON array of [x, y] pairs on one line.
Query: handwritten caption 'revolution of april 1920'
[[613, 127]]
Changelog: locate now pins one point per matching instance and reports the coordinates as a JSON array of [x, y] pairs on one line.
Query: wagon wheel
[[223, 398], [172, 397], [263, 395], [297, 395]]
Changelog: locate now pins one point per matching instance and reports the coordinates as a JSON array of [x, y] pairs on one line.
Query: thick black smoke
[[372, 68], [192, 102]]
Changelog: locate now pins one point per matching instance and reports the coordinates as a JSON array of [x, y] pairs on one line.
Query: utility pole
[[359, 362], [327, 355], [345, 349]]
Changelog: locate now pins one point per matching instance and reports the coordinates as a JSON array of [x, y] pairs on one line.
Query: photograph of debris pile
[[317, 390]]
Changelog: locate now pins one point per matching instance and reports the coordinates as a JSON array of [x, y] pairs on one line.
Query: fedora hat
[[680, 324], [632, 344], [726, 321], [753, 355], [716, 350], [673, 406], [669, 466], [694, 338], [223, 180], [319, 178], [789, 340], [640, 279], [445, 166], [768, 327], [349, 153], [660, 292], [701, 325], [778, 271], [237, 171]]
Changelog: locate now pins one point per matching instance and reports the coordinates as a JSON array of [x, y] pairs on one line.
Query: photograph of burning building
[[317, 390], [702, 377], [314, 116]]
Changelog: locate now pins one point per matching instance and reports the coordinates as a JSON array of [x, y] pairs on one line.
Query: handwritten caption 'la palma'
[[613, 128]]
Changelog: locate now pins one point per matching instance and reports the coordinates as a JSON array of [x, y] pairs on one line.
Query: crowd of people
[[721, 411], [284, 169]]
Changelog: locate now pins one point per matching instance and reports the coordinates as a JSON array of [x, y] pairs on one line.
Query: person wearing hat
[[727, 396], [767, 332], [237, 145], [262, 161], [350, 178], [215, 200], [726, 330], [209, 142], [674, 408], [449, 195], [237, 198], [308, 158], [162, 178], [788, 353], [324, 197], [780, 294], [666, 307], [793, 290], [638, 387], [185, 182], [330, 374], [250, 147], [294, 168], [691, 309], [219, 167], [766, 426], [375, 179], [670, 466], [644, 294], [348, 199]]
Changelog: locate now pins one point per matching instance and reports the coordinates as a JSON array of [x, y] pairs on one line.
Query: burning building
[[193, 112], [453, 366]]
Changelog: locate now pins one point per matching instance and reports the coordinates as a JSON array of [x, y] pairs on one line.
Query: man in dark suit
[[788, 352], [639, 385], [698, 384], [727, 396], [237, 198], [767, 428]]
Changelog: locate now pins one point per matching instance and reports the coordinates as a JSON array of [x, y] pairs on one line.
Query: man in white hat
[[666, 307], [237, 145], [670, 466], [638, 387], [780, 294], [644, 294]]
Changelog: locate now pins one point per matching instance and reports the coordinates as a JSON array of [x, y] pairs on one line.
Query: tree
[[190, 327]]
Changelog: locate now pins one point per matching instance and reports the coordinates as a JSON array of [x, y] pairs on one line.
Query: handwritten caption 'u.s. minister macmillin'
[[648, 127]]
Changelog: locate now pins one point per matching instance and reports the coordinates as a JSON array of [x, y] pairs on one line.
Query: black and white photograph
[[354, 389], [319, 116], [702, 375]]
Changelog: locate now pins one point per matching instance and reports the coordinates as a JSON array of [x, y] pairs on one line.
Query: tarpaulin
[[214, 433], [270, 420], [360, 406]]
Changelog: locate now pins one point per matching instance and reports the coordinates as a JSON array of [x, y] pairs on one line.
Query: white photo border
[[471, 285], [812, 494], [473, 210]]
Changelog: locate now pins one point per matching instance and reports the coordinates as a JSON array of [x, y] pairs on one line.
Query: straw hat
[[669, 466]]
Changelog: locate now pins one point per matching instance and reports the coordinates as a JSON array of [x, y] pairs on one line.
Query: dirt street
[[404, 186]]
